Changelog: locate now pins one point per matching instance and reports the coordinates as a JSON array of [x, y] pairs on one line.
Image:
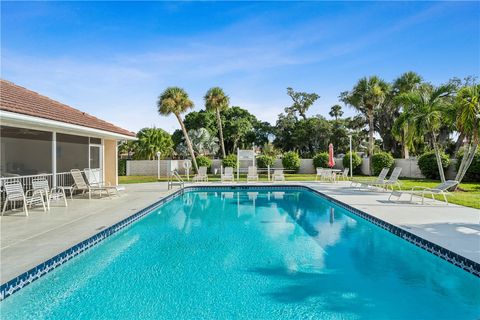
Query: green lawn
[[467, 195]]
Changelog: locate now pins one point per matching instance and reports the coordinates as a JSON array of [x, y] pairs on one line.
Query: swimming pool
[[251, 254]]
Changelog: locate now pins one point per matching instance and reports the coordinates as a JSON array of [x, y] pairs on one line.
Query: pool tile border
[[35, 273]]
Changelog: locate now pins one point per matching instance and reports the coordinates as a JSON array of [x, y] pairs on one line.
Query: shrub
[[291, 161], [230, 161], [473, 172], [381, 160], [203, 161], [320, 160], [122, 167], [428, 164], [356, 162], [264, 160]]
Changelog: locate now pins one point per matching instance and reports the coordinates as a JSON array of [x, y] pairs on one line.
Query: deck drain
[[102, 227]]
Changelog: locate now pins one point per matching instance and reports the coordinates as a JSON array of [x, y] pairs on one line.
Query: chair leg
[[445, 197], [4, 206], [25, 206]]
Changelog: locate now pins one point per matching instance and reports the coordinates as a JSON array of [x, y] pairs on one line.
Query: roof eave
[[13, 118]]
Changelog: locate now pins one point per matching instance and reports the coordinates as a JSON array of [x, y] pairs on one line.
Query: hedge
[[264, 161], [122, 167], [291, 161], [320, 160], [381, 160], [203, 161], [473, 172], [230, 161], [356, 162], [427, 163]]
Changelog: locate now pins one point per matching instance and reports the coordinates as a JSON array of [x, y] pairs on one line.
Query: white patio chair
[[227, 175], [344, 175], [252, 174], [379, 180], [278, 175], [14, 192], [319, 174], [56, 193], [201, 175], [82, 185], [441, 189]]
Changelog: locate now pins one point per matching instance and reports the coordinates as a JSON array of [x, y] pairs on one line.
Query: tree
[[150, 141], [175, 100], [390, 111], [366, 97], [302, 101], [203, 143], [423, 112], [336, 111], [201, 119], [467, 123], [217, 101], [238, 126], [126, 147]]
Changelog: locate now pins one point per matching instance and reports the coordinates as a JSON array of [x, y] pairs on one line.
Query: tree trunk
[[439, 160], [187, 140], [467, 160], [371, 130], [406, 152], [459, 143], [220, 132]]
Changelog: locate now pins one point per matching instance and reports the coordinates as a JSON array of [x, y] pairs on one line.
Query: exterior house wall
[[110, 161]]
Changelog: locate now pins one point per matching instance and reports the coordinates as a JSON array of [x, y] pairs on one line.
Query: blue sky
[[113, 59]]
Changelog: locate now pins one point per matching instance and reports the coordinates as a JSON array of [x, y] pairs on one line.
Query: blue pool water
[[251, 255]]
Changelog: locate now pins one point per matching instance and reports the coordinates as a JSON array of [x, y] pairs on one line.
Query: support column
[[54, 159]]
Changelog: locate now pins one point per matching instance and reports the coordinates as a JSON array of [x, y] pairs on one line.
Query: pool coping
[[24, 279]]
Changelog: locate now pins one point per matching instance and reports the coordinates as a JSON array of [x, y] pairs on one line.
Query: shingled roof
[[14, 98]]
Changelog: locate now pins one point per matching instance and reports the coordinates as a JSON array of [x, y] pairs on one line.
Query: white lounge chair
[[278, 175], [227, 175], [252, 174], [379, 180], [442, 189], [94, 180], [14, 191], [82, 185], [201, 175], [50, 194], [391, 182]]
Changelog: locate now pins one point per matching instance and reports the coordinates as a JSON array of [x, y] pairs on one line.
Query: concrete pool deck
[[26, 242]]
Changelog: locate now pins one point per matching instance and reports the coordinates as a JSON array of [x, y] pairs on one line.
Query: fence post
[[268, 172]]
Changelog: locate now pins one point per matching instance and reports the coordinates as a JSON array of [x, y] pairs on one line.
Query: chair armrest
[[40, 191]]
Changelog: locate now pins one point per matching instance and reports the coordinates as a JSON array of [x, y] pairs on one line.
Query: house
[[39, 135]]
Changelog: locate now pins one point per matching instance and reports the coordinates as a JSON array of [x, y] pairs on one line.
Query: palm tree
[[467, 123], [407, 82], [336, 111], [175, 100], [216, 100], [152, 140], [367, 96], [423, 112]]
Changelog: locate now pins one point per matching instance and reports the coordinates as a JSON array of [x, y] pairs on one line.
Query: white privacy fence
[[409, 167]]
